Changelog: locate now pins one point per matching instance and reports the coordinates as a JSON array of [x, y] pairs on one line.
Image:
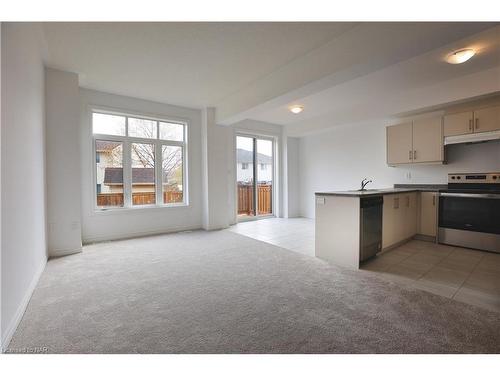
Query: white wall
[[216, 169], [23, 170], [97, 226], [63, 163], [339, 159], [293, 177]]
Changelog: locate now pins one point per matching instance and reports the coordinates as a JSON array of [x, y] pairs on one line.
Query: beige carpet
[[219, 292]]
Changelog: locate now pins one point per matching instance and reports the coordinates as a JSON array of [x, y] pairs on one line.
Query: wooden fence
[[116, 199], [246, 198]]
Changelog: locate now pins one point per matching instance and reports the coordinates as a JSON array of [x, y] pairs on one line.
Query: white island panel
[[337, 230]]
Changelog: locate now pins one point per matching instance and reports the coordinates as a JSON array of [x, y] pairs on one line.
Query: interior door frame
[[255, 137]]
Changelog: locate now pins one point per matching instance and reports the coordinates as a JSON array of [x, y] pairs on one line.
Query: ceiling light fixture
[[296, 109], [460, 56]]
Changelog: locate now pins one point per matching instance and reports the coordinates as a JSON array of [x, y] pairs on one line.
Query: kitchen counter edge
[[395, 190]]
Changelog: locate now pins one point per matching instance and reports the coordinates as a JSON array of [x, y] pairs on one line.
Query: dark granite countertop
[[398, 188]]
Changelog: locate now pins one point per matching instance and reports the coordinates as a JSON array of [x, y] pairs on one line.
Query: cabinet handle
[[477, 123], [409, 155], [470, 124], [414, 154], [407, 201], [433, 200], [396, 202]]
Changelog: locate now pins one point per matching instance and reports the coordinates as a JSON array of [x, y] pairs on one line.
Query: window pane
[[108, 124], [245, 175], [141, 128], [265, 176], [172, 174], [143, 173], [171, 131], [109, 173]]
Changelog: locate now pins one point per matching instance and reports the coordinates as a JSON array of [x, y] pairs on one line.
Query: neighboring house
[[143, 180], [109, 176], [105, 157], [244, 170]]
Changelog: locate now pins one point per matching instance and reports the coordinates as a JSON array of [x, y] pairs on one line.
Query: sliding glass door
[[254, 175]]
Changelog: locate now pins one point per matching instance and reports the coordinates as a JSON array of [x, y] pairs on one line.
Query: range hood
[[472, 138]]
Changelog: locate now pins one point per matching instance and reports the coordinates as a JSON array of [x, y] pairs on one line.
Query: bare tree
[[145, 152]]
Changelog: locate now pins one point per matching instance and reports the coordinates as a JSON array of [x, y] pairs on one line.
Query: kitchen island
[[352, 226]]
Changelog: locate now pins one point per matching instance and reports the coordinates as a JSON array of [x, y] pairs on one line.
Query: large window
[[138, 161]]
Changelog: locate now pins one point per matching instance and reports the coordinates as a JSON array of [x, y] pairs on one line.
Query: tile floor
[[465, 275], [293, 234]]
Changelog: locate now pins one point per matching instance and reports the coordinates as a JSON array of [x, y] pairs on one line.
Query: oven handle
[[471, 195]]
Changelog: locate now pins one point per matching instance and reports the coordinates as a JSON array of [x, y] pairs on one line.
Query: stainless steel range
[[469, 211]]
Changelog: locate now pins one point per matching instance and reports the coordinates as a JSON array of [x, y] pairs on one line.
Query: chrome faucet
[[364, 183]]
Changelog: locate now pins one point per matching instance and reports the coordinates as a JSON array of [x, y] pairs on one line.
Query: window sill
[[138, 209]]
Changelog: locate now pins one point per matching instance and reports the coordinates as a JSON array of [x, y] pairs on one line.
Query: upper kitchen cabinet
[[399, 144], [428, 145], [458, 123], [420, 141], [477, 121], [487, 119]]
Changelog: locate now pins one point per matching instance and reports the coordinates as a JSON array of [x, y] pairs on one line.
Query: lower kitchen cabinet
[[399, 218], [410, 215], [428, 214], [389, 213]]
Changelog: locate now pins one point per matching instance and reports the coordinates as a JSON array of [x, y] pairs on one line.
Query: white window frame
[[127, 159]]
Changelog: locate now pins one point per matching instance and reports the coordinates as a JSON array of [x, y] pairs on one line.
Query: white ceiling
[[342, 72], [190, 64], [423, 81]]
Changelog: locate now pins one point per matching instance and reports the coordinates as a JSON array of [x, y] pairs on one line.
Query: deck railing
[[246, 198]]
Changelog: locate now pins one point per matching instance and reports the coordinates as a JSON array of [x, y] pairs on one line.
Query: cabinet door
[[487, 119], [458, 123], [410, 221], [399, 144], [400, 225], [428, 144], [388, 220], [428, 213]]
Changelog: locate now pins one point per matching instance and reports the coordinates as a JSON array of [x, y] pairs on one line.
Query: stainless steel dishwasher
[[370, 242]]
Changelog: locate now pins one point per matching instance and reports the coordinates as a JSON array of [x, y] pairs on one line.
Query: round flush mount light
[[296, 109], [460, 56]]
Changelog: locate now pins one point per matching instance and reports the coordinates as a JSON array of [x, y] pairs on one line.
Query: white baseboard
[[117, 237], [61, 253], [12, 326]]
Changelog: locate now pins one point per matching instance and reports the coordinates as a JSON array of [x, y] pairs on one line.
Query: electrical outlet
[[320, 200], [408, 175]]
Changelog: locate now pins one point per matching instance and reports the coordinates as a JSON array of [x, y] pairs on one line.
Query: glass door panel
[[245, 176], [264, 176]]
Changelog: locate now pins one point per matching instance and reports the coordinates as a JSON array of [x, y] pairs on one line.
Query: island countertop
[[395, 190]]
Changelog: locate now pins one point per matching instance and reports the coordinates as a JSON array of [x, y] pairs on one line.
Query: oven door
[[470, 220]]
